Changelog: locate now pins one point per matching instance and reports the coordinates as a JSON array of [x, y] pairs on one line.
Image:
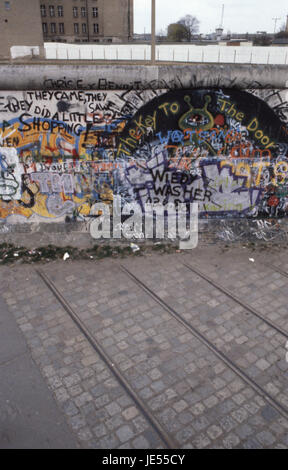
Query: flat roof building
[[32, 22], [87, 20], [20, 25]]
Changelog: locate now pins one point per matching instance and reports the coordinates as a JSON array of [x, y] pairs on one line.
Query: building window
[[83, 12], [44, 28], [75, 12], [43, 10], [96, 28], [84, 28], [95, 12], [76, 28], [60, 10], [61, 28], [53, 27], [51, 10]]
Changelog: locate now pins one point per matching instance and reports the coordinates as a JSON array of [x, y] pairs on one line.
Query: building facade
[[20, 25], [87, 20]]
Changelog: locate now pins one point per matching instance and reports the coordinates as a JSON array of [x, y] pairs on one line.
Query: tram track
[[236, 299], [165, 437], [222, 356], [276, 268]]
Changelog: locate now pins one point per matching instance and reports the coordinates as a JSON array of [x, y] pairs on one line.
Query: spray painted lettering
[[63, 150]]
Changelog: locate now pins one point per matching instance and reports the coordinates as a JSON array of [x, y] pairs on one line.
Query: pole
[[129, 25], [275, 20], [153, 39]]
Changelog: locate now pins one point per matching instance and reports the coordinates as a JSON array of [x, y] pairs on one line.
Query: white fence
[[177, 52], [97, 52]]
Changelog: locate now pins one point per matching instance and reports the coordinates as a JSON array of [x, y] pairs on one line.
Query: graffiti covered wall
[[63, 151]]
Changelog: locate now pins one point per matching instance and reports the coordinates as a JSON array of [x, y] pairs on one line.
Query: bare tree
[[191, 23], [162, 34]]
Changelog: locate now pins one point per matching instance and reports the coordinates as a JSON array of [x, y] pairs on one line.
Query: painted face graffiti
[[226, 139]]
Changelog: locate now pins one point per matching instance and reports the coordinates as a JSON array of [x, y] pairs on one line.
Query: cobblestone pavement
[[198, 399]]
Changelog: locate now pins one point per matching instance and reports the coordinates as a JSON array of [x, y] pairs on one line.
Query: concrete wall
[[125, 77], [69, 142]]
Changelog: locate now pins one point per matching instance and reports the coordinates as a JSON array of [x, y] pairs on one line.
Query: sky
[[240, 16]]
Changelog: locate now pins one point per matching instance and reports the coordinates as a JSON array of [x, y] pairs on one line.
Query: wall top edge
[[47, 76]]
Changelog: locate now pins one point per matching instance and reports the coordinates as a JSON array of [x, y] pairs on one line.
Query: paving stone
[[240, 415], [61, 395], [113, 408], [107, 442], [140, 424], [211, 401], [197, 409], [252, 444], [146, 393], [130, 413], [124, 433], [185, 435], [227, 423], [54, 382], [83, 399], [180, 406], [269, 413], [69, 408], [140, 443], [88, 361], [114, 422], [201, 441], [71, 380], [101, 401], [214, 432], [231, 441], [153, 439], [98, 390], [200, 423], [244, 431], [77, 422], [75, 391], [85, 434], [266, 438], [262, 364], [195, 396]]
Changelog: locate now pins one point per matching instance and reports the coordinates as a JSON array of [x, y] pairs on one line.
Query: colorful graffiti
[[63, 151]]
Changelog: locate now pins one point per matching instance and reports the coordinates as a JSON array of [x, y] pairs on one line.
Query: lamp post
[[153, 37], [129, 25]]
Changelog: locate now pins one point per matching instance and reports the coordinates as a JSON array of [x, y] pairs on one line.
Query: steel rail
[[165, 437], [256, 387]]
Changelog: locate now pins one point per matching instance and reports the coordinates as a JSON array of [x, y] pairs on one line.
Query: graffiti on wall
[[61, 151], [252, 229]]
